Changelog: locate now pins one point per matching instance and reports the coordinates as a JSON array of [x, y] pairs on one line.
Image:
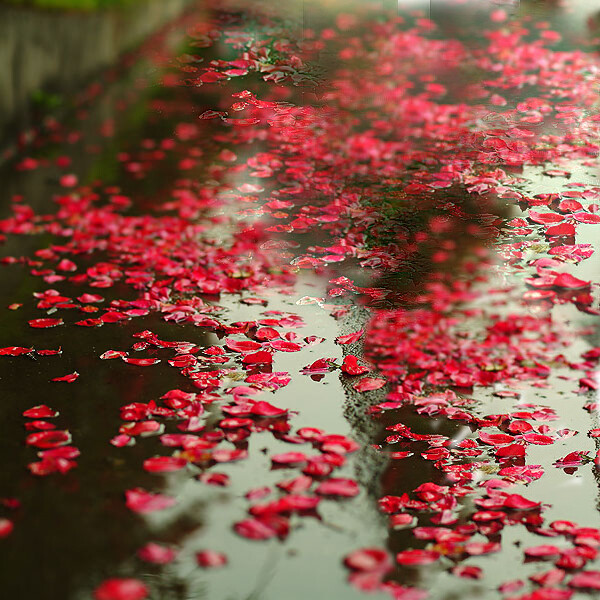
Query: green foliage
[[45, 101], [83, 5]]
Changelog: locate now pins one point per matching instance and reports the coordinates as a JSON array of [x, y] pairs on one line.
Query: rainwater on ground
[[138, 139]]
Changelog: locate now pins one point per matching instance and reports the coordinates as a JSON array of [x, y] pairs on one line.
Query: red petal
[[297, 485], [141, 362], [90, 323], [121, 589], [68, 452], [264, 528], [350, 366], [15, 351], [349, 338], [6, 527], [368, 384], [479, 548], [566, 229], [266, 333], [401, 521], [139, 500], [223, 455], [368, 559], [467, 571], [495, 439], [289, 458], [517, 502], [570, 205], [43, 323], [584, 217], [113, 316], [536, 438], [49, 352], [219, 479], [53, 465], [70, 378], [417, 557], [210, 558], [545, 218], [162, 464], [542, 551], [109, 354], [143, 428], [264, 409], [511, 451], [48, 439], [242, 346], [567, 281], [40, 412], [86, 298], [284, 346], [586, 580], [339, 486], [157, 554], [261, 357]]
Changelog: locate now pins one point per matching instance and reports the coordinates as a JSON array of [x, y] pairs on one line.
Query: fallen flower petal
[[70, 378], [517, 502], [139, 500], [349, 338], [264, 409], [157, 554], [350, 366], [261, 357], [15, 351], [141, 362], [164, 464], [588, 580], [543, 551], [339, 486], [263, 529], [368, 384], [417, 557], [48, 439], [242, 346], [45, 323], [40, 412], [6, 527], [368, 559], [289, 458], [121, 589], [110, 354], [467, 571], [211, 559]]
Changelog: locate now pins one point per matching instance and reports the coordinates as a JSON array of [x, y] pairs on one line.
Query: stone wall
[[57, 51]]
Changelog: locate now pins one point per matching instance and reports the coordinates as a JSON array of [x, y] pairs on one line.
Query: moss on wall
[[83, 5]]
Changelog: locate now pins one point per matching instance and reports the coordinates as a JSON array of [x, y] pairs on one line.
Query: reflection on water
[[141, 138]]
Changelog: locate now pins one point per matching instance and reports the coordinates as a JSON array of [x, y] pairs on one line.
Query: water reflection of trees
[[432, 236], [74, 530]]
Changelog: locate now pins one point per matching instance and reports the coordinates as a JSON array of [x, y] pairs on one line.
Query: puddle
[[283, 218]]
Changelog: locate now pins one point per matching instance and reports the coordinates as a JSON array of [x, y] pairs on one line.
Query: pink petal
[[368, 384], [157, 554], [139, 500], [211, 559], [349, 338], [368, 559]]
